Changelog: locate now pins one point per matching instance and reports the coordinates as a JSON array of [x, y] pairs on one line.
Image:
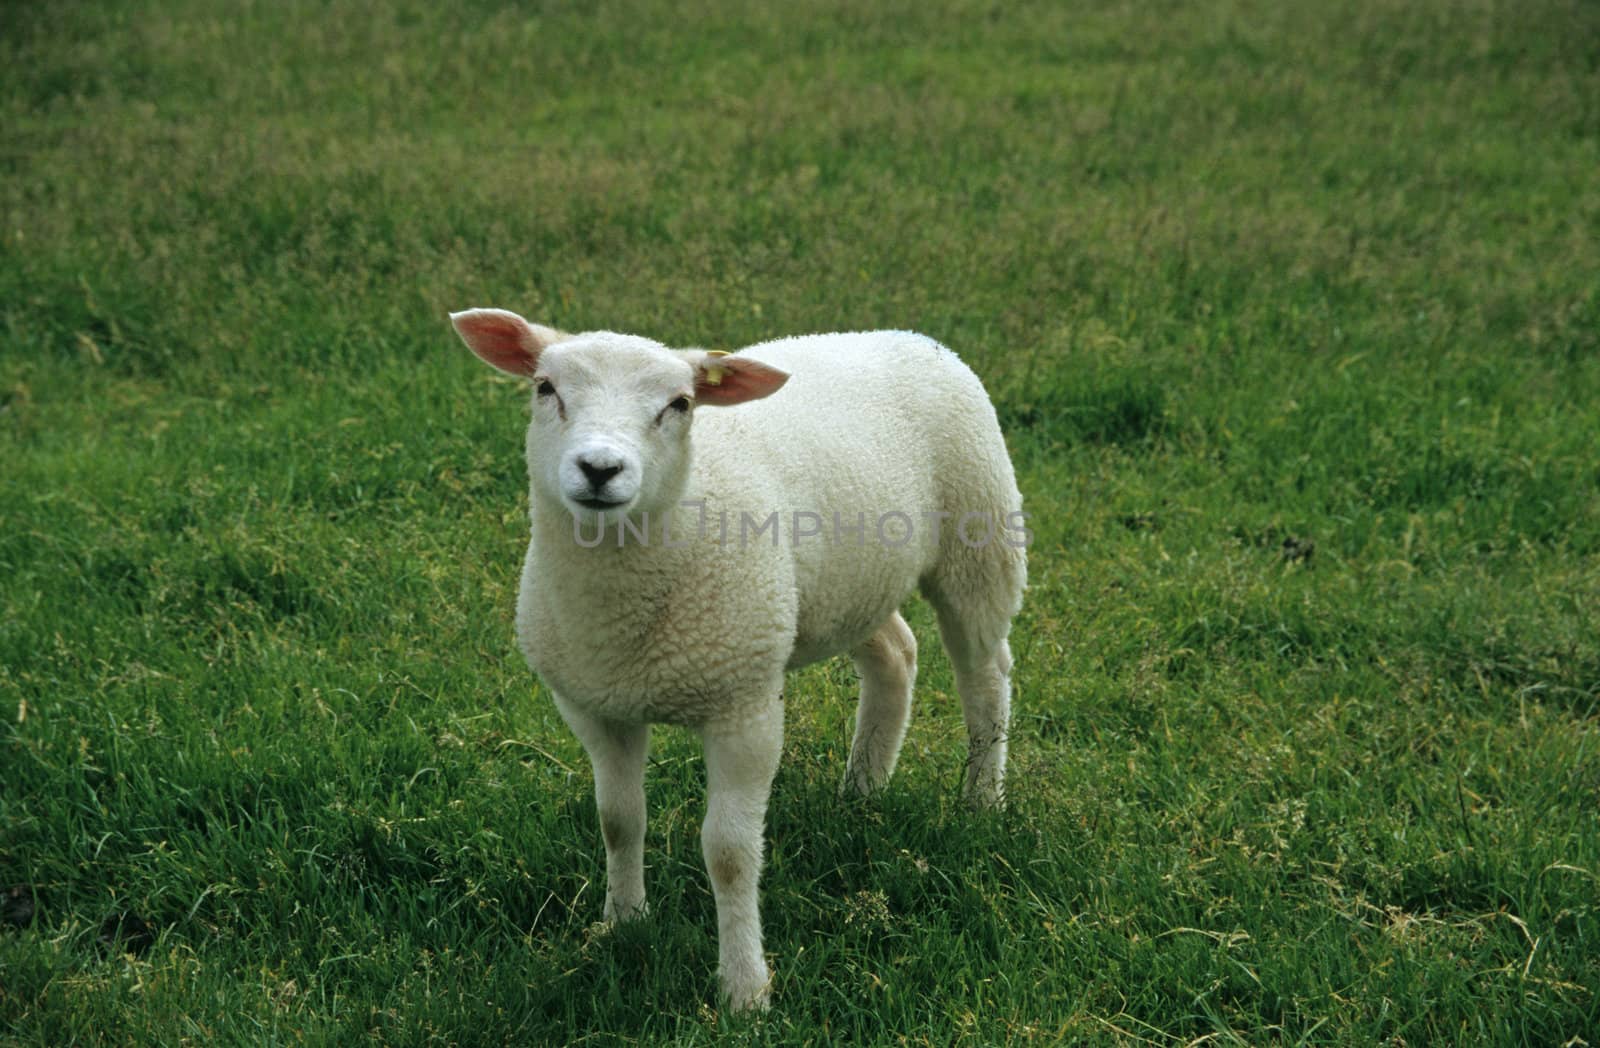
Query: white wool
[[695, 622]]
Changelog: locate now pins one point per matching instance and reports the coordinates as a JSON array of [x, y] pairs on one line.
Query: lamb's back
[[873, 432]]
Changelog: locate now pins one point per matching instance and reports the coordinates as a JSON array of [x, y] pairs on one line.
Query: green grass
[[1246, 279]]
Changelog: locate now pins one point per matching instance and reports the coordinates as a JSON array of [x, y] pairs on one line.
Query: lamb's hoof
[[617, 913], [611, 925], [856, 789], [985, 798], [748, 995]]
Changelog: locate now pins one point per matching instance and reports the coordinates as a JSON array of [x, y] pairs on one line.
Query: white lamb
[[702, 523]]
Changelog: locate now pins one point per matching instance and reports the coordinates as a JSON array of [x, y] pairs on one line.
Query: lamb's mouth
[[600, 505]]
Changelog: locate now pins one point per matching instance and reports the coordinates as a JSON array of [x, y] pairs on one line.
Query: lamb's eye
[[544, 388], [677, 404]]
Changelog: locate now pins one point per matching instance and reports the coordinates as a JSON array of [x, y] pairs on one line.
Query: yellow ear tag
[[714, 374]]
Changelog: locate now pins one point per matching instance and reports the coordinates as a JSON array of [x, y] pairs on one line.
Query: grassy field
[[1292, 315]]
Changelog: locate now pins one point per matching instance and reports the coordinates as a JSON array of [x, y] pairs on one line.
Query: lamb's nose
[[598, 475]]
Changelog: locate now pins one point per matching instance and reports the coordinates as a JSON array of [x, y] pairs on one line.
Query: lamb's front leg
[[741, 759], [616, 752]]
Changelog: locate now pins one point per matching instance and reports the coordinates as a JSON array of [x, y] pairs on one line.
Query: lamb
[[702, 522]]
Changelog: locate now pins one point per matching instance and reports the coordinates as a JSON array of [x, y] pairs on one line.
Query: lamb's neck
[[661, 536]]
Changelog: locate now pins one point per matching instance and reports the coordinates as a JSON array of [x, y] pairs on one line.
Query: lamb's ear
[[504, 339], [721, 379]]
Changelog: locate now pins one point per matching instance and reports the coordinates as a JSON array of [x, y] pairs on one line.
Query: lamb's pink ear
[[503, 339], [721, 379]]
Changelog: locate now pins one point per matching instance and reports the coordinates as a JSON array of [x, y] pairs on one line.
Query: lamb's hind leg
[[887, 663], [984, 683], [973, 623]]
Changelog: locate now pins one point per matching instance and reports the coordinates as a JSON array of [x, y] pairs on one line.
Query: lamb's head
[[611, 413]]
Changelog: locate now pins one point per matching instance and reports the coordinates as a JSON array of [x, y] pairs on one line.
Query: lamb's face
[[610, 428], [611, 413]]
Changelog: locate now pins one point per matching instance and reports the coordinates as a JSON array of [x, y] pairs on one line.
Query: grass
[[1290, 312]]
